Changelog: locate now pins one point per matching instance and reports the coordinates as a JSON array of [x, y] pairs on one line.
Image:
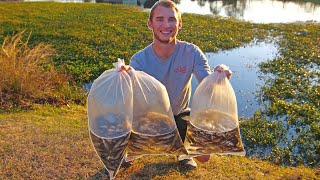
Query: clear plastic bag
[[153, 127], [214, 126], [110, 116]]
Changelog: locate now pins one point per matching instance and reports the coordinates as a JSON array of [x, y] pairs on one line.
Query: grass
[[53, 143], [46, 144], [28, 75]]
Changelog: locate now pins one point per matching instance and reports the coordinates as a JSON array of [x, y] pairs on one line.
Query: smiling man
[[172, 62]]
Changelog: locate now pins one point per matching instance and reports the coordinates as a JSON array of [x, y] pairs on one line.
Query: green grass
[[53, 143], [315, 1]]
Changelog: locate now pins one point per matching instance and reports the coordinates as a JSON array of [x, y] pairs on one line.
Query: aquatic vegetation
[[292, 97]]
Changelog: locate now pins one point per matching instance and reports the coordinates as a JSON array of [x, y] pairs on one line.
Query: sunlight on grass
[[53, 142], [26, 72]]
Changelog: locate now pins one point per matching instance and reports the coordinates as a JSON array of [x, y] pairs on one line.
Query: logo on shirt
[[181, 69]]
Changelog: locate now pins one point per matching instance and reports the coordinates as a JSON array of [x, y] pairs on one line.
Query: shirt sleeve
[[201, 67]]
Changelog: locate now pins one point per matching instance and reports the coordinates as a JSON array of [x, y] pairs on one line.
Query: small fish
[[141, 144], [111, 151], [206, 142], [154, 133]]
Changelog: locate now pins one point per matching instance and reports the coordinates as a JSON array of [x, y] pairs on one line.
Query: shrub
[[27, 74]]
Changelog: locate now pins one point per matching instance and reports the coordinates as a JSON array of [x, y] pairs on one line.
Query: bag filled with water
[[214, 126], [153, 127], [110, 116]]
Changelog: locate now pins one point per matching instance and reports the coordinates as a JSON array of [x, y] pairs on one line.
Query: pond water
[[246, 80], [257, 11]]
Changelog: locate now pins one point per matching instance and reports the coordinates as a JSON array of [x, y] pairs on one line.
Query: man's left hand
[[221, 68]]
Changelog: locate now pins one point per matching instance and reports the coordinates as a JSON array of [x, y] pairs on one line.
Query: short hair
[[167, 4]]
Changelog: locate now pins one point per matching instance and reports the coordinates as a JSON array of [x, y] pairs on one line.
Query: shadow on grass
[[102, 174], [158, 169], [146, 173]]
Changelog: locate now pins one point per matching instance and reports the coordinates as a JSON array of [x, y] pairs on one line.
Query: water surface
[[246, 81], [257, 11]]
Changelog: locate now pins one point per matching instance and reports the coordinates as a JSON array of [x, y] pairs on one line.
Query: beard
[[165, 41]]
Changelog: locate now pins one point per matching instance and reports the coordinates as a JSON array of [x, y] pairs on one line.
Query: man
[[172, 62]]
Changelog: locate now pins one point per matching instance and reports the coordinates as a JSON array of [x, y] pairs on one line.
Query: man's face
[[165, 24]]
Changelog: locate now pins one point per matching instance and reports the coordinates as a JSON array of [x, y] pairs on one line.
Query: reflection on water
[[257, 11], [243, 62]]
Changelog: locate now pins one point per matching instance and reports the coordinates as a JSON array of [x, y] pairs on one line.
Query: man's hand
[[221, 67]]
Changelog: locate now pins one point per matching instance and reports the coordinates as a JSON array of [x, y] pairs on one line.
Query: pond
[[257, 11], [246, 80]]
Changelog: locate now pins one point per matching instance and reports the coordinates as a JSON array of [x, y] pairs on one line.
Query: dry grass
[[53, 143], [26, 73]]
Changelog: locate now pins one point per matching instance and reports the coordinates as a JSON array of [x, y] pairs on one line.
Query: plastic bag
[[214, 126], [110, 116], [153, 127]]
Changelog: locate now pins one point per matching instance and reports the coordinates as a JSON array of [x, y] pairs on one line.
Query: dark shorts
[[182, 124]]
